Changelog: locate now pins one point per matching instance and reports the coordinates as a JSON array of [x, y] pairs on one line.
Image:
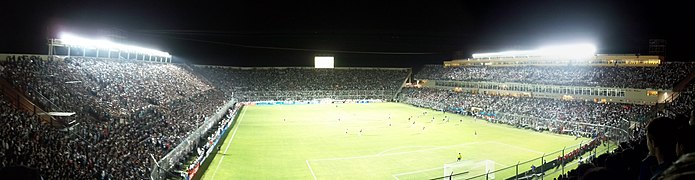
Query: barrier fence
[[616, 133], [549, 165], [162, 168]]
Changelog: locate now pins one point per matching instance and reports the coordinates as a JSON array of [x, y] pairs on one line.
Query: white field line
[[398, 153], [312, 171], [415, 172], [425, 170], [241, 117]]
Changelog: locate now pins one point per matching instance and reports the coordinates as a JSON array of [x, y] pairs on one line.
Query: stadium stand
[[684, 102], [296, 83], [623, 162], [662, 77], [630, 160], [127, 111], [27, 143], [130, 113], [550, 114]]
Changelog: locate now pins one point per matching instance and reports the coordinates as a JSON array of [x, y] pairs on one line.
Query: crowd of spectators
[[127, 112], [119, 87], [27, 143], [538, 113], [295, 83], [651, 150], [685, 100], [665, 76], [666, 150]]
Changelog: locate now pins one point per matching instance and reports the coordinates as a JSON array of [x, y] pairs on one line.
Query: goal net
[[469, 168]]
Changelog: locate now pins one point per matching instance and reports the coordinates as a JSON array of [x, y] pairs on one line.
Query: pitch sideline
[[241, 117]]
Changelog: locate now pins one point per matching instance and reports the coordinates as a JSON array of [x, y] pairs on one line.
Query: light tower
[[104, 48]]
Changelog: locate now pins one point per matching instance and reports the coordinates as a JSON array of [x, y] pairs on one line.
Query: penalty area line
[[312, 171], [229, 143], [415, 172]]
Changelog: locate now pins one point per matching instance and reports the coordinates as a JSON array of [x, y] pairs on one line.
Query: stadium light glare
[[574, 50], [323, 62], [73, 40]]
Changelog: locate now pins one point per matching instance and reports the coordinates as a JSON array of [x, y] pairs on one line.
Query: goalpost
[[470, 168]]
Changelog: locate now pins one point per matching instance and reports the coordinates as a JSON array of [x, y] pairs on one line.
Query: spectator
[[599, 173], [684, 140], [661, 144]]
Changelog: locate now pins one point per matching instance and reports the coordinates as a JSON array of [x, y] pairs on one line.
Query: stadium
[[92, 108]]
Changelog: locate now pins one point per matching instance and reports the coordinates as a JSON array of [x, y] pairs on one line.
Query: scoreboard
[[323, 62]]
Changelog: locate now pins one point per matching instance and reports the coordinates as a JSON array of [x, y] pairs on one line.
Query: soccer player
[[423, 127], [360, 132], [284, 120], [346, 130], [458, 158]]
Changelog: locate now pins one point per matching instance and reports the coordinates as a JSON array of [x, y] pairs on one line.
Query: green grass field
[[309, 142]]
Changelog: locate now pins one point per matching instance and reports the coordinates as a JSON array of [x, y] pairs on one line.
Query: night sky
[[357, 33]]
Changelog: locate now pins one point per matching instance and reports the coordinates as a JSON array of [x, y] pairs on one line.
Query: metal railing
[[162, 168], [548, 165], [617, 133]]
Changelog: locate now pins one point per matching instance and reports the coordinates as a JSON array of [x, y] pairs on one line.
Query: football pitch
[[371, 141]]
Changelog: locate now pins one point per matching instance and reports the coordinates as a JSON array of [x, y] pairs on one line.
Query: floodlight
[[323, 62], [503, 54], [81, 42], [574, 50]]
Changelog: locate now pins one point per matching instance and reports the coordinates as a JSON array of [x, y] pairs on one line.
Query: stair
[[20, 101]]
